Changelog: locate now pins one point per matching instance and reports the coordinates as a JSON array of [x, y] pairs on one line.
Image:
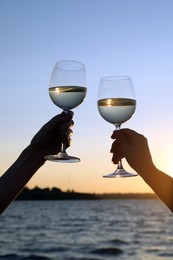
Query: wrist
[[146, 171], [29, 155]]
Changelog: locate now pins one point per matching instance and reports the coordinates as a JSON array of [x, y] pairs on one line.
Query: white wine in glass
[[117, 104], [67, 90]]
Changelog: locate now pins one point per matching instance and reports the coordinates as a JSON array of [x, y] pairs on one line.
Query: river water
[[132, 229]]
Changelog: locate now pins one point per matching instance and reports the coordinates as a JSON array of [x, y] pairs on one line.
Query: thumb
[[60, 119]]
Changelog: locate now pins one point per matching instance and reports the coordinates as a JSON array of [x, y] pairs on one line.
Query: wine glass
[[67, 90], [117, 104]]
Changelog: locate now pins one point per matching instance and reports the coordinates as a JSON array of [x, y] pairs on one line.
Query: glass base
[[62, 157], [120, 173]]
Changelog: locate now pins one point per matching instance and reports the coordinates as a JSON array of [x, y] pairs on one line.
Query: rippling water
[[86, 230]]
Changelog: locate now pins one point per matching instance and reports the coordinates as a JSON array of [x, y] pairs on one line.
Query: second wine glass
[[67, 90], [117, 104]]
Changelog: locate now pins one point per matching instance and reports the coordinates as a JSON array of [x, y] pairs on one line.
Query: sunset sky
[[111, 37]]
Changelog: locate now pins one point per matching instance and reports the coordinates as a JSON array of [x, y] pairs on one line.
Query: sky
[[111, 37]]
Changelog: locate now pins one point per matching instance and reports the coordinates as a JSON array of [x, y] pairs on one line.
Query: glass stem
[[63, 148], [63, 145], [117, 126], [119, 166]]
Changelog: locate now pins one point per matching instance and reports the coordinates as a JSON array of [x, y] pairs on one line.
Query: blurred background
[[111, 37]]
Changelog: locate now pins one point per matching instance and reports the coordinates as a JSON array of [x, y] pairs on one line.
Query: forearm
[[17, 176], [161, 184]]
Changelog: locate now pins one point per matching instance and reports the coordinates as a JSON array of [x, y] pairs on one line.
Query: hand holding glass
[[67, 90], [117, 104]]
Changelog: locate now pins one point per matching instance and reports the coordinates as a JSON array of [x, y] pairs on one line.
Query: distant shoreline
[[57, 194]]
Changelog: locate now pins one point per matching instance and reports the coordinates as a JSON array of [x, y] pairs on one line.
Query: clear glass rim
[[114, 78], [79, 66]]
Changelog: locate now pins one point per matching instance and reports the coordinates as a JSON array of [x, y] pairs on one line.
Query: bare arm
[[46, 141], [134, 147]]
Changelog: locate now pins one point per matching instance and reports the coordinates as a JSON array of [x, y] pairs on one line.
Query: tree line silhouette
[[57, 194]]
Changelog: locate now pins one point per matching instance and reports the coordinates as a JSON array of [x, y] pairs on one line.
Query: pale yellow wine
[[67, 97], [116, 110]]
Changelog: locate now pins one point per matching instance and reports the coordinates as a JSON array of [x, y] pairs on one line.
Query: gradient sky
[[111, 37]]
